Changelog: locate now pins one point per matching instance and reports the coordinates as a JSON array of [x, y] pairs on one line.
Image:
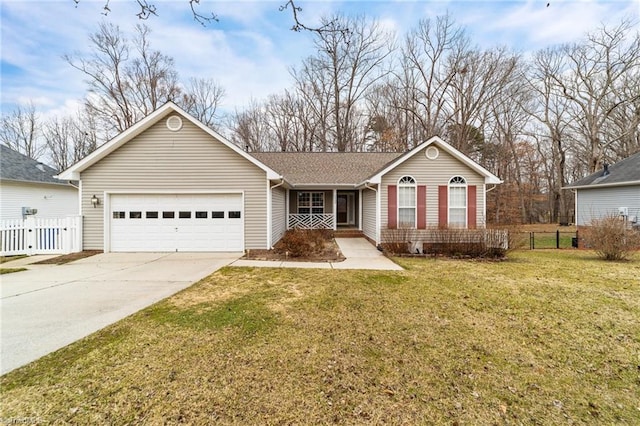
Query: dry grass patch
[[546, 337]]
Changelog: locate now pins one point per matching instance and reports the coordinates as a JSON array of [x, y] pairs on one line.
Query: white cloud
[[535, 25], [250, 51]]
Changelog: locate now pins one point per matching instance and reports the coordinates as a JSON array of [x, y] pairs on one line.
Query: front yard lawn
[[546, 337]]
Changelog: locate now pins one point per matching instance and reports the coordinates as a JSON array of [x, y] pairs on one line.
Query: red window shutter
[[422, 207], [472, 210], [392, 207], [443, 206]]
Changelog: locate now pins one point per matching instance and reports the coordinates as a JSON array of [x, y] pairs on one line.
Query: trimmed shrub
[[611, 238]]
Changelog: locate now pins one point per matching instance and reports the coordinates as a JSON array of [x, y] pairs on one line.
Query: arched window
[[406, 202], [457, 202]]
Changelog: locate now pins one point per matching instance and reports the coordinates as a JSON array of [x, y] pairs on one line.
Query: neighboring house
[[615, 190], [169, 183], [27, 185]]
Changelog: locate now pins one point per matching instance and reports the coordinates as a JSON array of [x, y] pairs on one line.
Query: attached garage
[[176, 222], [169, 183]]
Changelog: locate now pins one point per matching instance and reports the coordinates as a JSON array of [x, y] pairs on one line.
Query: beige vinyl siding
[[52, 201], [278, 214], [600, 202], [165, 161], [369, 214], [433, 173]]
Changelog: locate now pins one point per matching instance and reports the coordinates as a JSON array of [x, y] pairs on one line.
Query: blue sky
[[250, 51]]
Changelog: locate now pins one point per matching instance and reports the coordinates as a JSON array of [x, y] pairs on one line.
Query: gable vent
[[174, 123], [432, 153]]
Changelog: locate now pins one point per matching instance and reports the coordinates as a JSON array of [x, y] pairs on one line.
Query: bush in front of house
[[611, 238], [451, 242], [303, 242]]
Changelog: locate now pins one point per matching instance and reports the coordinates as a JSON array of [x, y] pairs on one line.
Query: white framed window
[[310, 202], [406, 202], [458, 202]]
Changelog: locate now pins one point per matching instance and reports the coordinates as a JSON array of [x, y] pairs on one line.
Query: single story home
[[28, 188], [170, 183], [614, 190]]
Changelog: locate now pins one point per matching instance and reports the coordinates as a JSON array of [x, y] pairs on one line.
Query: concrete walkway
[[359, 253], [50, 306]]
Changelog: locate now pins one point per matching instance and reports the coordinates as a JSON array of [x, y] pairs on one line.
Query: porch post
[[335, 209], [360, 209]]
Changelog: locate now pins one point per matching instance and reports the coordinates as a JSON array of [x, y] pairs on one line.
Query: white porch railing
[[311, 221], [41, 236]]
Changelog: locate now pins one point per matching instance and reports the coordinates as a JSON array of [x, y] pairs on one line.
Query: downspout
[[366, 185]]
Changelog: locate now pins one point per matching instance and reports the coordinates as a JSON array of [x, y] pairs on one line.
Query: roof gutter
[[366, 185], [279, 184], [603, 185]]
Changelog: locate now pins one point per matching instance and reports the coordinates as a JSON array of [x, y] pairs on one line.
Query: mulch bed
[[66, 258], [330, 253]]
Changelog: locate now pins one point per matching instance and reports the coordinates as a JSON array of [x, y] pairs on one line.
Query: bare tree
[[553, 133], [250, 128], [313, 88], [21, 130], [479, 80], [506, 127], [202, 98], [345, 67], [430, 53], [148, 9], [127, 79], [69, 140], [595, 75]]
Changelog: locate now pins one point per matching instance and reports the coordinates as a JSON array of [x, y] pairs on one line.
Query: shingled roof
[[625, 172], [330, 168], [18, 167]]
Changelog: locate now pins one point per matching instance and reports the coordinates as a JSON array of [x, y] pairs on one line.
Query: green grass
[[547, 337], [11, 270], [545, 240], [4, 259]]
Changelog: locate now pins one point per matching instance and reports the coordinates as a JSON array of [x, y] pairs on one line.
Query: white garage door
[[176, 222]]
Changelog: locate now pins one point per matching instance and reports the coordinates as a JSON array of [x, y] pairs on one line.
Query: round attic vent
[[432, 153], [174, 123]]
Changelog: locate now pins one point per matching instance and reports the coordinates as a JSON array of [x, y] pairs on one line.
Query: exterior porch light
[[95, 201]]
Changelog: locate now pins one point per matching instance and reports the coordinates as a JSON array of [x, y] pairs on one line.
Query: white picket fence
[[41, 236]]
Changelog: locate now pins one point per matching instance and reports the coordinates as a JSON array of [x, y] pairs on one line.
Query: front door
[[343, 209], [346, 208]]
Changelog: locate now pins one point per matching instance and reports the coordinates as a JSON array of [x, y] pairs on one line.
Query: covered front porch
[[324, 209]]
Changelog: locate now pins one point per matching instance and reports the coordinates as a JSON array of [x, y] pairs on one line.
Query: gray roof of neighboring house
[[623, 172], [18, 167], [333, 168]]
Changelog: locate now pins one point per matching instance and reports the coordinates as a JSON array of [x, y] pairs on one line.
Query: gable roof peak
[[73, 172], [489, 178]]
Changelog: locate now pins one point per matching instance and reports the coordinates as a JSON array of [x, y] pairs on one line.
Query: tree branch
[[299, 26]]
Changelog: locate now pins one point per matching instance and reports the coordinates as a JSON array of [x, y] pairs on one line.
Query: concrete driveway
[[50, 306]]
